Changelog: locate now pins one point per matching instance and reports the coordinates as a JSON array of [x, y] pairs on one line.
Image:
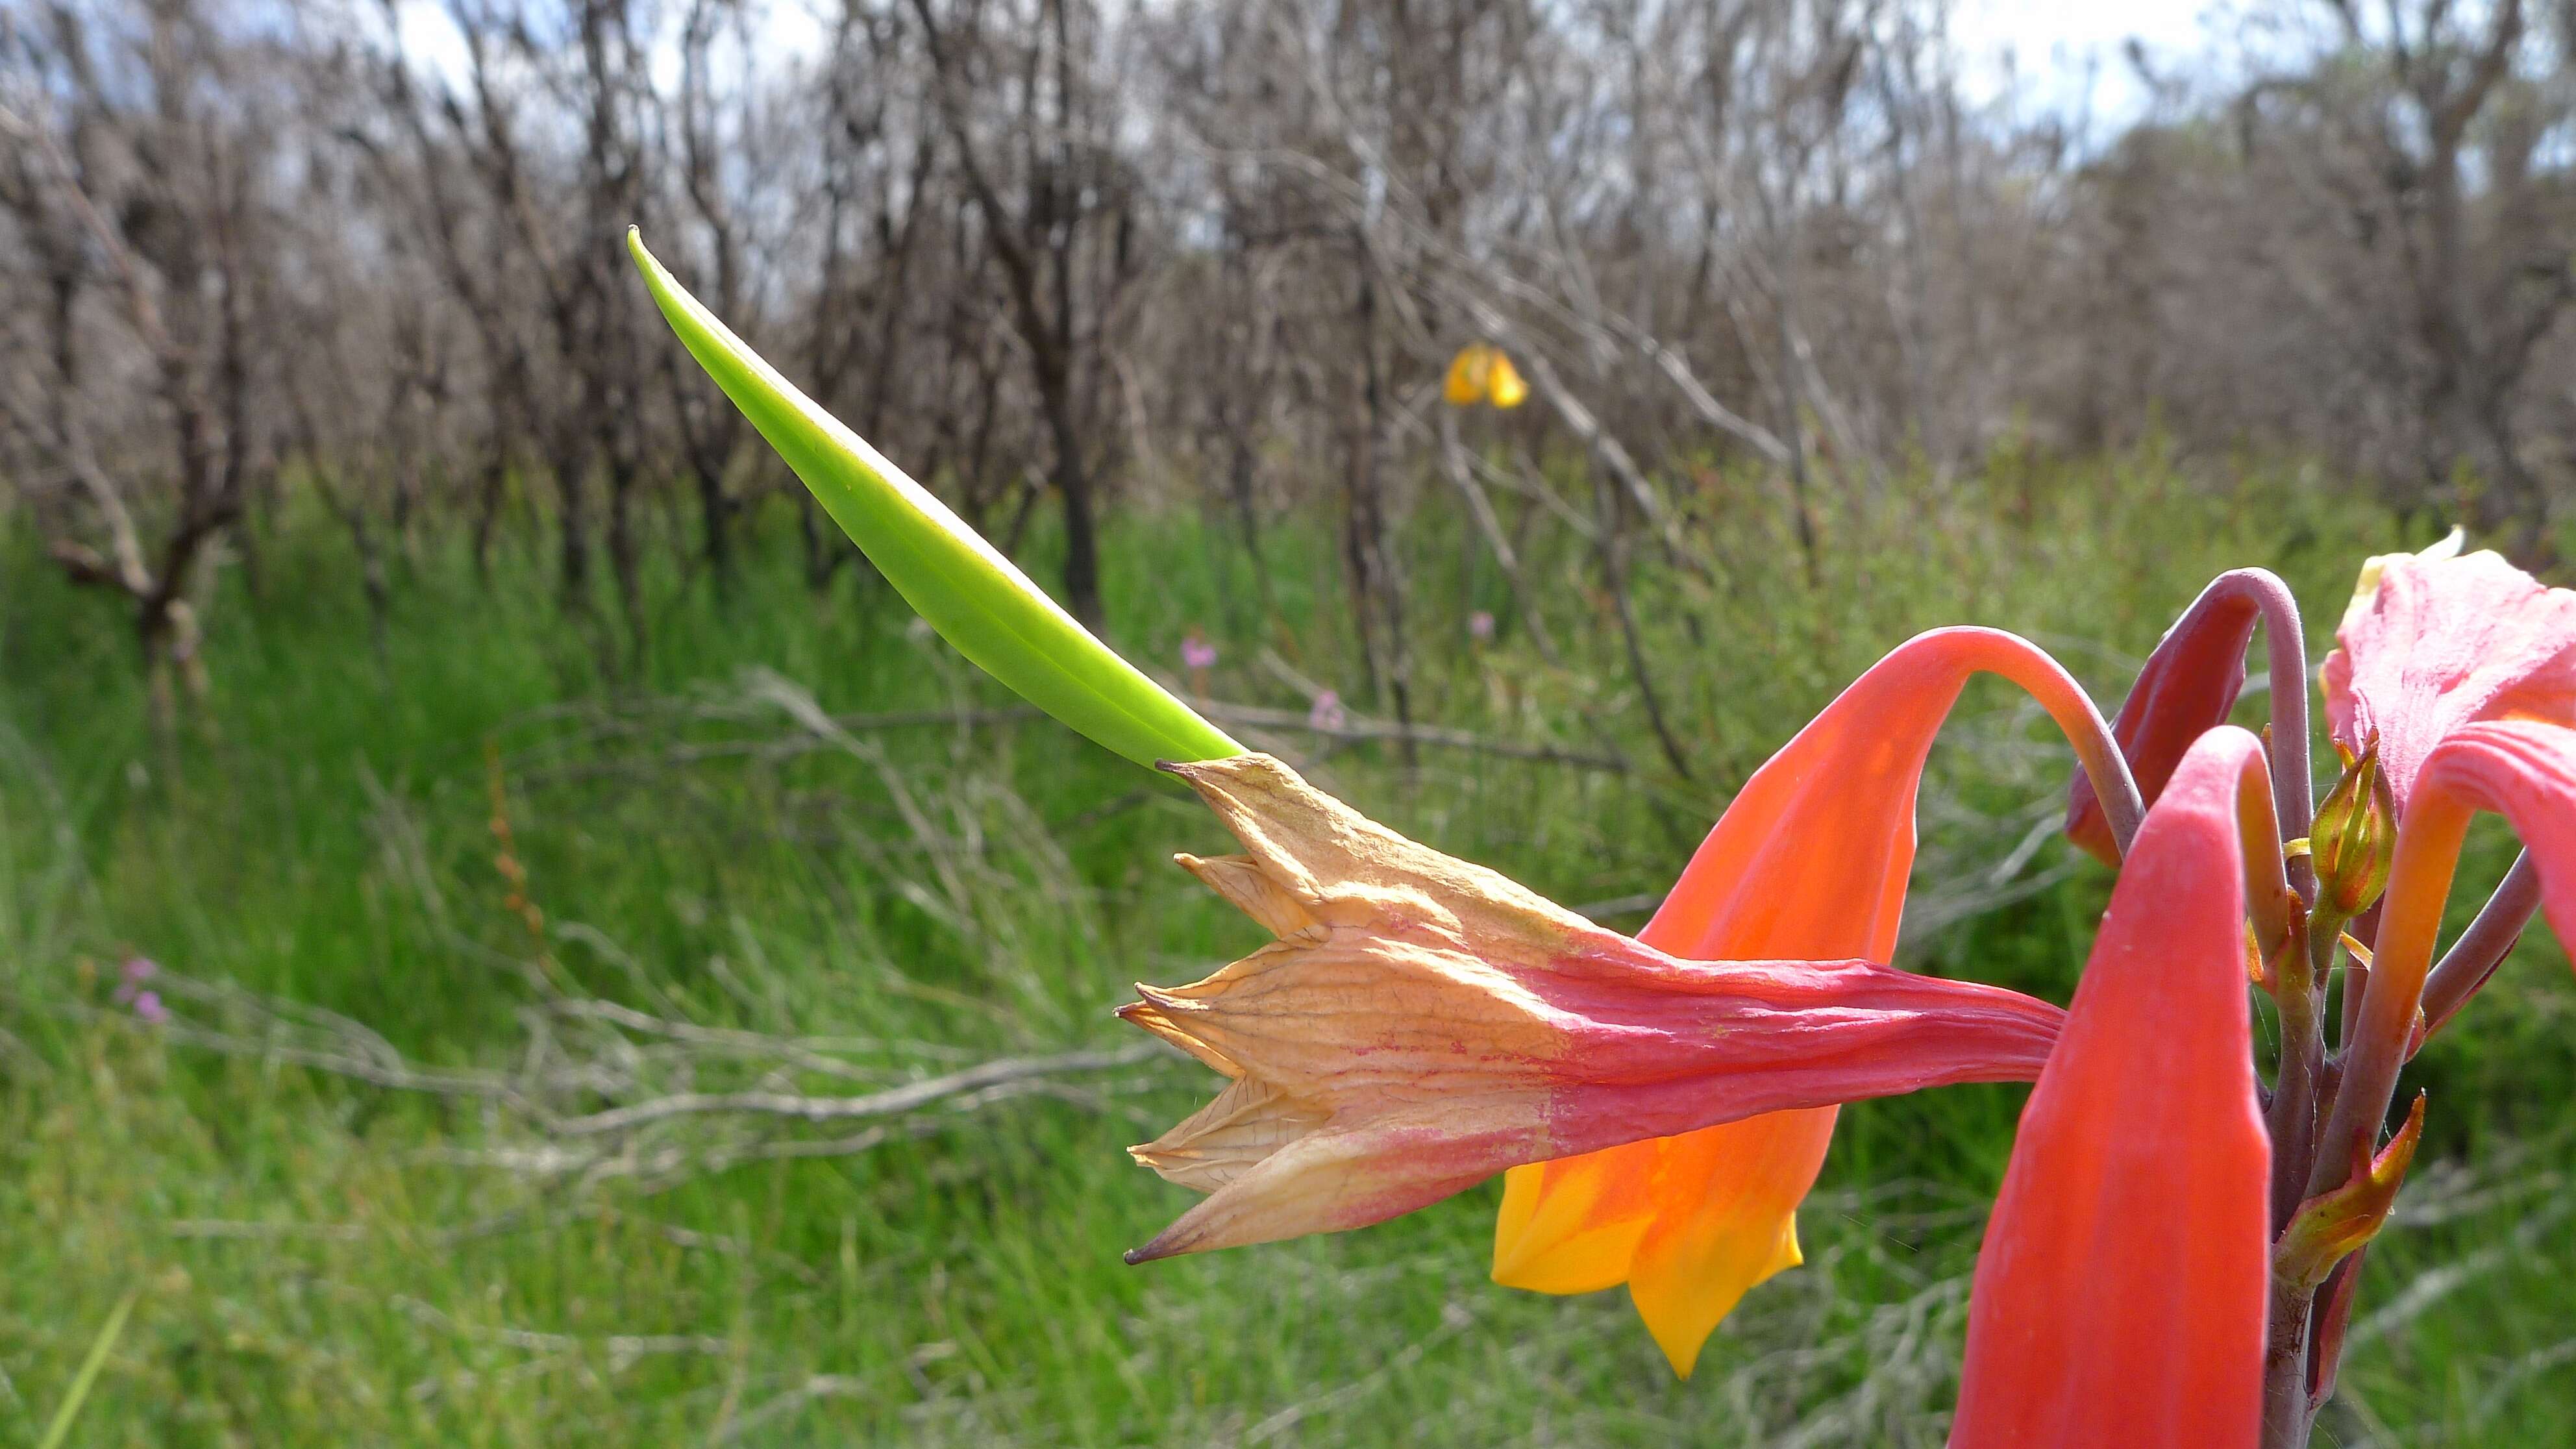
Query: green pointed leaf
[[978, 600]]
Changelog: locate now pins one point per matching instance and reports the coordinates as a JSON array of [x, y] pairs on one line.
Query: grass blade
[[977, 599], [88, 1375]]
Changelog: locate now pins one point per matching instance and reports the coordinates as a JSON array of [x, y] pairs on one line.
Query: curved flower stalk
[[2189, 686], [1810, 860], [1423, 1023]]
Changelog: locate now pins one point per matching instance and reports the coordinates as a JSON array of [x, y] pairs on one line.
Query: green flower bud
[[2355, 837], [978, 600]]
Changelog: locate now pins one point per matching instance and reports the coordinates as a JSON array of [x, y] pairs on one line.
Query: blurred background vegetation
[[510, 933]]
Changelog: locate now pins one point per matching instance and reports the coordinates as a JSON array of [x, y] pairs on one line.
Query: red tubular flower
[[2120, 1297], [1810, 860], [2189, 686]]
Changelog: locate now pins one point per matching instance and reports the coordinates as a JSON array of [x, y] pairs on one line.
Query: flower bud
[[2355, 837], [2332, 1225]]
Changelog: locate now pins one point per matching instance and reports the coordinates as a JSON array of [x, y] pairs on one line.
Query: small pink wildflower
[[1197, 653], [1480, 625], [130, 978], [148, 1008], [1328, 713]]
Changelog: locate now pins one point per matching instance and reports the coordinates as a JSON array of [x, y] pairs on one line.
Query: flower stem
[[2299, 1086], [2474, 957], [2288, 1411], [2285, 646], [2296, 1089]]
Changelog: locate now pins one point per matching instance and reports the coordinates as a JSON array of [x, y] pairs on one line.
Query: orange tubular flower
[[1423, 1023], [2120, 1298], [1810, 860]]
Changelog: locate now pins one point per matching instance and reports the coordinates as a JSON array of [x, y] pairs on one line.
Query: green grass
[[325, 1261]]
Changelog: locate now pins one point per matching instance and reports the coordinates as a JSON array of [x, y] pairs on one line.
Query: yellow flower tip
[[1690, 1223], [1581, 1224], [1680, 1341], [1684, 1289]]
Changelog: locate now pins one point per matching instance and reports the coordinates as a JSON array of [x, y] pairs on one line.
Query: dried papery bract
[[1423, 1023]]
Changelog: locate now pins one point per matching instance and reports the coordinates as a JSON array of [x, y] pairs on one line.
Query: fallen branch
[[911, 1097]]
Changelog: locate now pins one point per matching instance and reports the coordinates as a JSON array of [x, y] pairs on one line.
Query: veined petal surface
[[2443, 643]]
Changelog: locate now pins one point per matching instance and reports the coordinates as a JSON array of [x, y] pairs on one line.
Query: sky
[[2060, 47], [2067, 52]]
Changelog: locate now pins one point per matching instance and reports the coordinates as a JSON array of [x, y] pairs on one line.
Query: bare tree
[[2438, 115], [1070, 247], [133, 185], [1757, 254]]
